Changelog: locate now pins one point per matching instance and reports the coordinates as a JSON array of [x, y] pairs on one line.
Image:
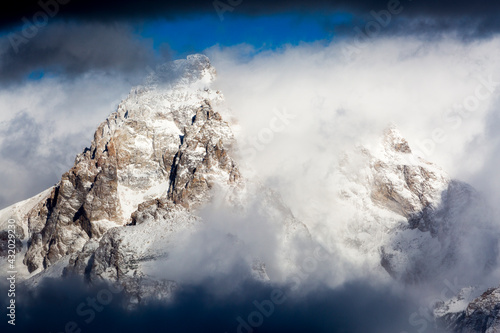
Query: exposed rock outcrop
[[439, 226], [164, 138], [479, 315], [129, 198]]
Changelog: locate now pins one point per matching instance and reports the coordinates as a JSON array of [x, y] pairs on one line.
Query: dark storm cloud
[[480, 11], [93, 9], [353, 308], [72, 49]]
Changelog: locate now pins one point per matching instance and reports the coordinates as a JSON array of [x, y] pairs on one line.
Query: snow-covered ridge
[[135, 157], [194, 70], [410, 216], [134, 193]]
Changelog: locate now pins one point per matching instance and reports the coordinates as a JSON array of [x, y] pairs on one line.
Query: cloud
[[461, 15], [356, 307], [107, 37], [486, 149], [55, 90], [233, 241], [46, 123], [71, 49], [92, 10], [298, 109], [336, 98]]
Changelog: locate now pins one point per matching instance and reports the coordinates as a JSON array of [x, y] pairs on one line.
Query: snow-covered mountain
[[166, 155], [425, 224], [130, 197]]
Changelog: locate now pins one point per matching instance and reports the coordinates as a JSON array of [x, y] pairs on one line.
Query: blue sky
[[197, 33]]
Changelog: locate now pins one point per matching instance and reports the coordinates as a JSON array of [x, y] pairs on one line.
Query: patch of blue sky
[[198, 32]]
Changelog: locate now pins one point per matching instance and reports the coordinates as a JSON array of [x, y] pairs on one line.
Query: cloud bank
[[299, 109], [256, 308], [321, 100]]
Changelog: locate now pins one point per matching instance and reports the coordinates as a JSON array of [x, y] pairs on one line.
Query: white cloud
[[340, 101], [424, 87], [45, 124]]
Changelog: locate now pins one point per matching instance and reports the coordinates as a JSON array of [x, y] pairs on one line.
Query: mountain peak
[[195, 67], [394, 140]]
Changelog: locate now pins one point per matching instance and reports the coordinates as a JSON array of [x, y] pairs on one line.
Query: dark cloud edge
[[481, 10], [58, 304]]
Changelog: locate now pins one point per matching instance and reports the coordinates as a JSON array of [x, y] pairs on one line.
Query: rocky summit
[[162, 155]]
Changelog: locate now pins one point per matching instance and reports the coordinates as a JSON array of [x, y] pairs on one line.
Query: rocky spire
[[163, 141]]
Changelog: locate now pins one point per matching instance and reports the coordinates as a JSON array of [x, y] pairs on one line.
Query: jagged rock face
[[201, 154], [127, 255], [480, 315], [404, 187], [164, 139], [461, 240], [121, 209], [434, 220], [122, 253], [135, 194], [117, 253]]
